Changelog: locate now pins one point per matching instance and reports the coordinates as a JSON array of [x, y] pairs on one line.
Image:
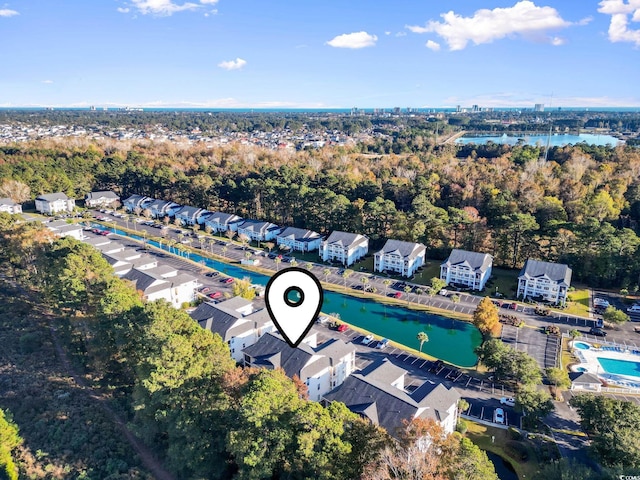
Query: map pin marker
[[294, 298]]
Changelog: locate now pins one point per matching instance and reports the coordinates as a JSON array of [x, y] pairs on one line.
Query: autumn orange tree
[[486, 316]]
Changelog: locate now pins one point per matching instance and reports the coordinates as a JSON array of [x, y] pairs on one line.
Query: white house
[[377, 392], [124, 260], [321, 367], [400, 257], [52, 203], [471, 269], [258, 230], [61, 228], [176, 290], [136, 201], [190, 215], [162, 208], [346, 248], [544, 280], [236, 321], [9, 206], [101, 199], [222, 222], [299, 239]]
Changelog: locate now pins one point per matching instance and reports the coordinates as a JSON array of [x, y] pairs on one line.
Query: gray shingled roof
[[104, 194], [475, 260], [191, 212], [224, 319], [52, 197], [138, 200], [144, 281], [272, 351], [299, 234], [335, 349], [383, 371], [160, 205], [7, 201], [258, 226], [367, 395], [584, 378], [344, 239], [405, 249], [556, 272], [165, 271], [224, 218]]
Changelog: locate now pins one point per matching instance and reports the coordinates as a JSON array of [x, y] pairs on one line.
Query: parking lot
[[543, 348]]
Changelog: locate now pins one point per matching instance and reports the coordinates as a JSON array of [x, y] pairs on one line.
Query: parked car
[[598, 332], [397, 295], [227, 280], [342, 327], [599, 323], [215, 295], [513, 306], [497, 303], [634, 309], [444, 292], [212, 274], [367, 340], [204, 290], [498, 416], [600, 303], [323, 319], [508, 401], [382, 344]]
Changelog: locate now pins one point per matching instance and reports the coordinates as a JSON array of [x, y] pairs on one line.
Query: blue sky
[[306, 53]]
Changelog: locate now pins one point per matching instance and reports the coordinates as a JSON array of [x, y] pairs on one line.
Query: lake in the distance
[[557, 140]]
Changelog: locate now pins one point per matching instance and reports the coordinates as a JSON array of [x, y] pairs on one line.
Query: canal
[[450, 340]]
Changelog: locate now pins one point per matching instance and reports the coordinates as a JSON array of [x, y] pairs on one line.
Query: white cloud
[[236, 64], [524, 19], [123, 10], [557, 41], [435, 46], [353, 40], [401, 34], [620, 10], [165, 7], [47, 81], [5, 12]]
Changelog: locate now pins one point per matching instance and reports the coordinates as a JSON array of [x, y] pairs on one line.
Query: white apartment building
[[469, 269], [346, 248], [400, 257], [52, 203], [544, 280]]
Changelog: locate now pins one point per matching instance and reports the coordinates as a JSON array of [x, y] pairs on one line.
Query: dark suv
[[598, 332]]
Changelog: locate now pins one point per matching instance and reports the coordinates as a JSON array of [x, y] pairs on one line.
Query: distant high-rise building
[[539, 107], [396, 110], [458, 108], [475, 108]]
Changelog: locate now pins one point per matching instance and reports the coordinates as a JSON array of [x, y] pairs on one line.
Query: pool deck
[[589, 362]]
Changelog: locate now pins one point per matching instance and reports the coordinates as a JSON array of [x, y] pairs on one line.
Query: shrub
[[517, 450], [514, 434], [30, 342], [462, 426]]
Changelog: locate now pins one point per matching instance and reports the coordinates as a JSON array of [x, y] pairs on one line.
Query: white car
[[382, 344], [498, 416], [634, 309], [367, 340], [443, 292], [508, 401], [600, 303]]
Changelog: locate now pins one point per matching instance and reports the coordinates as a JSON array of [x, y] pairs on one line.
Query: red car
[[204, 290], [342, 327], [513, 306], [397, 294], [215, 295], [228, 280]]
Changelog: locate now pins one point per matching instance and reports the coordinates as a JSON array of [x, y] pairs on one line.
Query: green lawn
[[506, 281], [579, 303], [496, 439]]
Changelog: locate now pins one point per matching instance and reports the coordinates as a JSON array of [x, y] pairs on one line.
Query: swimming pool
[[620, 367], [581, 345]]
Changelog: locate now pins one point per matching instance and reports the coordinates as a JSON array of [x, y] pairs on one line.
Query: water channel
[[450, 340]]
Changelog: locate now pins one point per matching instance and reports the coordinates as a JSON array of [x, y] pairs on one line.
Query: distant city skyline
[[256, 54]]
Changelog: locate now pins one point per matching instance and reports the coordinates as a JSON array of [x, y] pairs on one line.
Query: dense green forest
[[581, 207], [177, 386]]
